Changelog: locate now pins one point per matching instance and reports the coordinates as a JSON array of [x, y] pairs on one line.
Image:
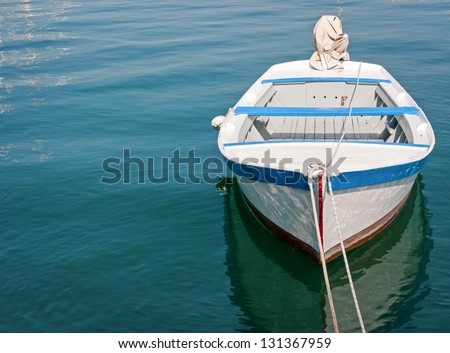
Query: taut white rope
[[344, 255]]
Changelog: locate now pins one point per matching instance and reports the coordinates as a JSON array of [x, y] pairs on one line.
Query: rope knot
[[314, 171]]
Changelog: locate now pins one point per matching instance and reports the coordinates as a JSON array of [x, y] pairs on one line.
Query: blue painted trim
[[347, 180], [325, 79], [417, 145], [312, 111]]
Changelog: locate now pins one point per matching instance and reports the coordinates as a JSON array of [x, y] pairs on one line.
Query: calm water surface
[[80, 81]]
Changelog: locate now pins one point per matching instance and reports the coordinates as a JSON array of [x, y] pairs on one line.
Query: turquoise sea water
[[80, 81]]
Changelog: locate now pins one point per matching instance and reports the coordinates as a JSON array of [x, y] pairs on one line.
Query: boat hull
[[363, 212]]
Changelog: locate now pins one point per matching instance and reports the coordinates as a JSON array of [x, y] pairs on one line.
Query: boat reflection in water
[[282, 290]]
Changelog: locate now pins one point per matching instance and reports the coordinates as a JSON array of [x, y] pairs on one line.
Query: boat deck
[[323, 113], [366, 128]]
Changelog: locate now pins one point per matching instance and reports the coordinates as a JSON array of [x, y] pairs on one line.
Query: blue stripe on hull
[[361, 142], [344, 181]]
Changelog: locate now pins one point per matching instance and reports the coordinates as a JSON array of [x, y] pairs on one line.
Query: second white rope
[[344, 255]]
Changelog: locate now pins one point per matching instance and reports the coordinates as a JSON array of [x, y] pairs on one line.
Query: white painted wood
[[319, 131], [358, 155], [290, 208], [329, 128]]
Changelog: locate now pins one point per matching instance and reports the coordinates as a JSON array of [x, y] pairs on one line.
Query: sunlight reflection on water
[[28, 41]]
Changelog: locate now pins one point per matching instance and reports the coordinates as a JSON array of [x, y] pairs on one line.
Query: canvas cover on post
[[330, 44]]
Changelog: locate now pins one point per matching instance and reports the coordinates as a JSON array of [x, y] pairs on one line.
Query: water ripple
[[30, 40]]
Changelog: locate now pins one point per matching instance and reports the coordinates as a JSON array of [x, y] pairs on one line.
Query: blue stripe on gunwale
[[399, 144], [344, 181], [325, 79], [313, 111]]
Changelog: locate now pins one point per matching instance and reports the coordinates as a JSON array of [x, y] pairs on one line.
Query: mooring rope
[[318, 172], [344, 255]]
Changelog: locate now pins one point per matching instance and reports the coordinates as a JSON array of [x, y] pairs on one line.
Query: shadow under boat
[[282, 290]]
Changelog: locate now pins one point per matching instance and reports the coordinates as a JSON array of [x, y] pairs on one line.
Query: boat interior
[[365, 127]]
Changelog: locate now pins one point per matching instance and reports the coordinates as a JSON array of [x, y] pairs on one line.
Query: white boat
[[350, 120]]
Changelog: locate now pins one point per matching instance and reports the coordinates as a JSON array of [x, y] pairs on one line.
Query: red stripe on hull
[[320, 197]]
